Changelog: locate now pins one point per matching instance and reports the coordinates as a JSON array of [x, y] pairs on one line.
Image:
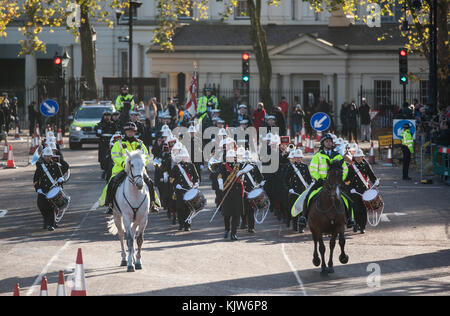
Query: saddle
[[314, 198]]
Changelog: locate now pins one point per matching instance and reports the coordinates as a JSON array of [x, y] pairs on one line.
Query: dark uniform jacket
[[353, 180], [232, 205], [56, 171], [176, 177], [257, 178], [291, 179]]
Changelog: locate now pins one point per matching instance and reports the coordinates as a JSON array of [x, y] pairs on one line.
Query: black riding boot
[[151, 189]]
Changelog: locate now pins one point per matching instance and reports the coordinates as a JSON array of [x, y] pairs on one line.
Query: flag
[[191, 103]]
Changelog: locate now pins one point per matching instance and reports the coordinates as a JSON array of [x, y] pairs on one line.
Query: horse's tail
[[112, 229]]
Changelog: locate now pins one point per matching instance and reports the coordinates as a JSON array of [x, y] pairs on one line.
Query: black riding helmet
[[130, 126], [325, 137]]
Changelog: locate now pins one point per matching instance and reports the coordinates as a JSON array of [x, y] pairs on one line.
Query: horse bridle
[[132, 179]]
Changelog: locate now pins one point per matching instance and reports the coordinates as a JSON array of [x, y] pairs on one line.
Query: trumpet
[[157, 162], [290, 148]]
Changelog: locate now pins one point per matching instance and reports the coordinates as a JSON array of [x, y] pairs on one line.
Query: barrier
[[441, 162]]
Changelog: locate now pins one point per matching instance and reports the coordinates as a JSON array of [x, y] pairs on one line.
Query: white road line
[[384, 218], [3, 213], [297, 276], [58, 253]]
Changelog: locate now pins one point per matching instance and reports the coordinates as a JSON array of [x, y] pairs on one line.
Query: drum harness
[[299, 175], [361, 177]]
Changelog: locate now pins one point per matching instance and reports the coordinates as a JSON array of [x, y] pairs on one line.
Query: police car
[[82, 129]]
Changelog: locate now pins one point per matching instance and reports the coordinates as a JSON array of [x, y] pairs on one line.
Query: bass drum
[[195, 199], [374, 205], [60, 201]]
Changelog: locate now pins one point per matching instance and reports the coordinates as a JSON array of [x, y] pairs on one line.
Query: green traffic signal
[[403, 79], [245, 78]]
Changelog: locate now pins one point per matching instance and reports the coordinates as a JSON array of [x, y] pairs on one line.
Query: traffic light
[[403, 65], [246, 67], [57, 67]]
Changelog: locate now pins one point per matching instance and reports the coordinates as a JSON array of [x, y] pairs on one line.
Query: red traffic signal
[[403, 52], [245, 56], [57, 60]]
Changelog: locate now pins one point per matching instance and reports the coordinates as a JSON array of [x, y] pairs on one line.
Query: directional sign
[[398, 128], [49, 107], [320, 121]]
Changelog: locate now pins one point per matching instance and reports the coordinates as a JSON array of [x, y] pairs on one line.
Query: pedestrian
[[5, 106], [297, 116], [284, 107], [281, 122], [364, 116], [344, 118], [309, 112], [407, 150], [258, 116], [352, 122], [14, 106]]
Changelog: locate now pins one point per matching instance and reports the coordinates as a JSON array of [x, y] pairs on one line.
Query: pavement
[[408, 253]]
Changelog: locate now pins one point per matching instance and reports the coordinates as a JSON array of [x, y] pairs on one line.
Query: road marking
[[384, 217], [297, 276], [59, 252], [3, 213]]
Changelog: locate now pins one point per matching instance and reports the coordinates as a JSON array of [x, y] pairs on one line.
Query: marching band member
[[360, 172], [319, 170], [105, 130], [194, 140], [297, 178], [47, 175], [252, 180], [232, 202], [282, 195], [118, 154], [183, 177]]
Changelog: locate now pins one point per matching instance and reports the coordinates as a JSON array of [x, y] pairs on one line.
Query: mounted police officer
[[318, 169], [124, 96], [105, 129], [118, 154], [48, 174], [206, 104]]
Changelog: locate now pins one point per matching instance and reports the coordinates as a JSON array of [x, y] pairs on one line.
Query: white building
[[310, 53]]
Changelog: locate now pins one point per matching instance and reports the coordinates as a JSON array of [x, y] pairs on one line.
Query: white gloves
[[377, 183], [291, 191], [99, 131], [40, 191], [179, 187], [262, 183], [196, 185], [220, 181], [239, 174], [166, 177], [61, 180]]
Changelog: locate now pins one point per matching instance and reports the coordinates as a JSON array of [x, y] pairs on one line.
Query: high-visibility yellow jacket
[[202, 105], [119, 155], [407, 140], [319, 166], [121, 99]]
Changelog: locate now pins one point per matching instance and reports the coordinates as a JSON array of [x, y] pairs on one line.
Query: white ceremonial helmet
[[222, 132], [47, 152], [240, 151], [275, 140], [291, 154], [52, 146], [231, 153], [353, 147], [191, 129], [359, 153], [298, 153]]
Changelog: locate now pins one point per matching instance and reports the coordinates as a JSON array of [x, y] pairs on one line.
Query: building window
[[123, 63], [383, 92], [424, 91], [191, 12], [241, 10]]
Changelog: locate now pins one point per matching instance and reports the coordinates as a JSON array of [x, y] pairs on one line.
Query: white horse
[[131, 207]]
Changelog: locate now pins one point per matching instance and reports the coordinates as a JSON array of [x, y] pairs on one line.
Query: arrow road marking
[[318, 123], [3, 213], [385, 218], [51, 109]]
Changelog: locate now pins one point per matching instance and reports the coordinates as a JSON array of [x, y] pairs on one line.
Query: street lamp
[[133, 6]]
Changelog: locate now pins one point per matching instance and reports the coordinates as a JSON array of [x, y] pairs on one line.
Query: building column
[[31, 93], [329, 82], [137, 62], [342, 93], [147, 63], [173, 84]]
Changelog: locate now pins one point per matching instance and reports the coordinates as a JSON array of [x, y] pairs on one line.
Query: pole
[[432, 82], [130, 45], [404, 92]]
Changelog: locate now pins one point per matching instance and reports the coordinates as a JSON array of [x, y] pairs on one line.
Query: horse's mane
[[133, 155]]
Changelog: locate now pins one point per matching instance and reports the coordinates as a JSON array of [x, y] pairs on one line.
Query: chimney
[[338, 19]]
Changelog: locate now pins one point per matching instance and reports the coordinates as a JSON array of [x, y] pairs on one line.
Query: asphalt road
[[410, 248]]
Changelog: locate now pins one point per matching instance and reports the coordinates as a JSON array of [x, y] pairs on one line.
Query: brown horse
[[327, 216]]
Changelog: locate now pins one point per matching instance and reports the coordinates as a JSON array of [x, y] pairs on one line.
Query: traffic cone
[[319, 136], [59, 138], [16, 290], [17, 134], [79, 285], [5, 151], [10, 163], [61, 289], [389, 158], [303, 131], [44, 290], [371, 154], [38, 133]]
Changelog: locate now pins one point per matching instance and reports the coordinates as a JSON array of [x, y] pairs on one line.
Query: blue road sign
[[398, 128], [49, 107], [320, 121]]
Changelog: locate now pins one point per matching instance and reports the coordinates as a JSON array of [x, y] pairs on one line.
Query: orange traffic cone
[[303, 131], [16, 290], [17, 134], [5, 151], [371, 154], [10, 163], [32, 146], [61, 289], [389, 158], [44, 290], [79, 286], [319, 136]]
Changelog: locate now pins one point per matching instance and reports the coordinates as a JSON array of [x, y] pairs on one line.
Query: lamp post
[[432, 82], [133, 6], [64, 63]]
